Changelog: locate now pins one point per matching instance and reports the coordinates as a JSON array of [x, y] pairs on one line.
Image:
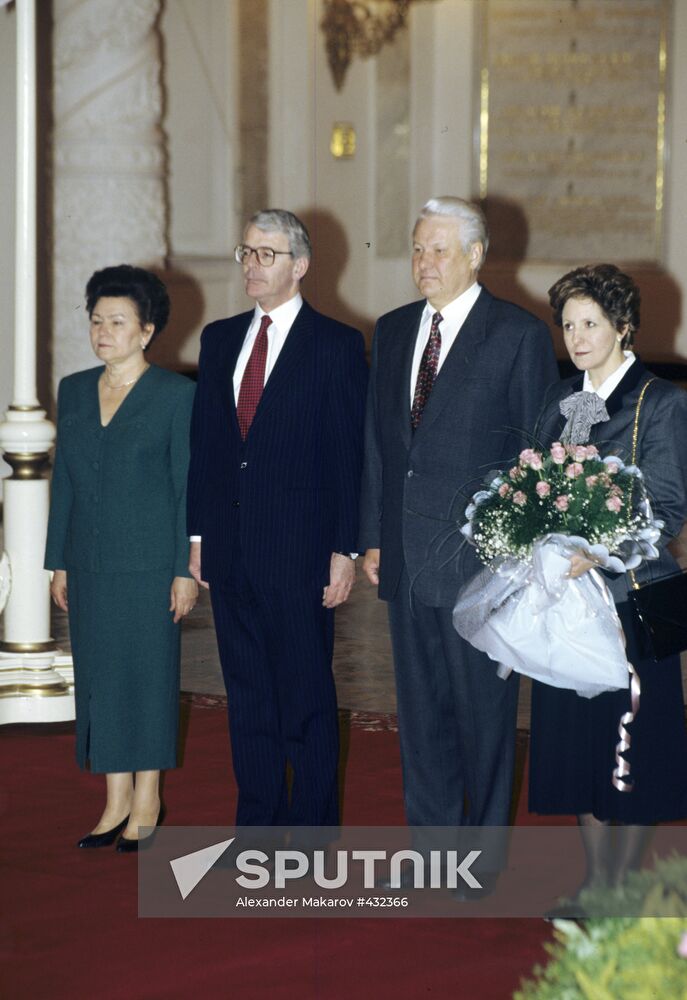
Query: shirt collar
[[458, 309], [613, 380], [284, 315]]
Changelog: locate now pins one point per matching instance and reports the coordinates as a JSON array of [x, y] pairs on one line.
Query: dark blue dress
[[573, 739]]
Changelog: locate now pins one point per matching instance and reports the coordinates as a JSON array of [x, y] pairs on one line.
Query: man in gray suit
[[456, 383]]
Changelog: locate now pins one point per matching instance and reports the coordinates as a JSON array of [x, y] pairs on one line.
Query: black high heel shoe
[[103, 839], [126, 846]]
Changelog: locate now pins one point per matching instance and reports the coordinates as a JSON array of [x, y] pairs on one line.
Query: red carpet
[[69, 926]]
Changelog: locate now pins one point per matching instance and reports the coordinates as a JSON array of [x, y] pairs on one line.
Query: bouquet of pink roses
[[567, 490], [523, 609]]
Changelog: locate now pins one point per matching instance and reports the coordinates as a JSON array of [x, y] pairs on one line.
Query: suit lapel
[[230, 348], [458, 363], [289, 359], [400, 360], [630, 380]]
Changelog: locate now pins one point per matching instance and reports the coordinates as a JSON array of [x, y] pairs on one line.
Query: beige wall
[[207, 65], [351, 279]]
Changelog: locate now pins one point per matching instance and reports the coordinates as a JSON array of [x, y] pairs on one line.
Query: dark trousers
[[276, 652], [456, 720]]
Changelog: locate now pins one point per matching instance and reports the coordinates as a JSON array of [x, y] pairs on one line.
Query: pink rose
[[504, 489], [574, 470], [580, 453], [591, 481], [543, 489], [682, 946], [562, 502], [519, 498], [612, 468], [558, 453], [514, 472], [614, 503], [531, 458], [592, 451]]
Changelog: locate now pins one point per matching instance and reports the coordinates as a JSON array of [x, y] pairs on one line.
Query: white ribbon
[[532, 618]]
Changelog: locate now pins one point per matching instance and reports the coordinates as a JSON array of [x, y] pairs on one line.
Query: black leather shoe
[[126, 846], [103, 839]]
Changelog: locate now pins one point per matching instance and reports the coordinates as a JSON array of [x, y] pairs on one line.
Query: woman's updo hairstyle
[[144, 288]]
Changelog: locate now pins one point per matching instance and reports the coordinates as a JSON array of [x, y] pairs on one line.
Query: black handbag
[[660, 607]]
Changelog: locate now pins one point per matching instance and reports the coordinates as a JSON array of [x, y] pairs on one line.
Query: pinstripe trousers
[[276, 652]]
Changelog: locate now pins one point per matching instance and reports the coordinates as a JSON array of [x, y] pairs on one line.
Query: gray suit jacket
[[481, 411], [661, 452]]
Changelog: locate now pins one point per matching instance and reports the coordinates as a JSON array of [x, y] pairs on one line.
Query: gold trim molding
[[57, 690], [28, 465], [28, 647]]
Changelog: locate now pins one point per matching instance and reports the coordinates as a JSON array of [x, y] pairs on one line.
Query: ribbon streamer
[[621, 773]]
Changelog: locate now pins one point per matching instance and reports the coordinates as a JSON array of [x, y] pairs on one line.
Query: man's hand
[[341, 580], [194, 564], [58, 589], [183, 597], [371, 566]]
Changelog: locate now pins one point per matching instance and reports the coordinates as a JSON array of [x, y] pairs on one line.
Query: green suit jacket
[[119, 492]]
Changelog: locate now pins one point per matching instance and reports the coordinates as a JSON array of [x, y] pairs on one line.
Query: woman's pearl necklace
[[123, 385]]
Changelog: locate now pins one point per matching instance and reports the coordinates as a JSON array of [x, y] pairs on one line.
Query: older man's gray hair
[[278, 220], [473, 227]]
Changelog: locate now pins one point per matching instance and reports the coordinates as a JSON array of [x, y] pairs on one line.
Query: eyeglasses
[[264, 255]]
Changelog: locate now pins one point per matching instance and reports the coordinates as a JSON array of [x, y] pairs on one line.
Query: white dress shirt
[[453, 317], [282, 320], [613, 381]]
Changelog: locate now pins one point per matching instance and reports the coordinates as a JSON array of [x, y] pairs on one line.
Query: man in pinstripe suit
[[276, 452]]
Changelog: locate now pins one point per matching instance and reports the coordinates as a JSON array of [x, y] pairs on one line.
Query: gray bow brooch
[[581, 410]]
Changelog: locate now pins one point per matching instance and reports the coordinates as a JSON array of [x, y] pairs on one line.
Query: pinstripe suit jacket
[[288, 494]]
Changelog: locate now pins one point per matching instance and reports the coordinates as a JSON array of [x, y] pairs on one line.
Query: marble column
[[34, 675], [109, 156]]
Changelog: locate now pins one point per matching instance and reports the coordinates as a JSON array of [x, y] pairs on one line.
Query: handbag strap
[[635, 435]]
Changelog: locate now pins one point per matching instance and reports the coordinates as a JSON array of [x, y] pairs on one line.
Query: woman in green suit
[[118, 547]]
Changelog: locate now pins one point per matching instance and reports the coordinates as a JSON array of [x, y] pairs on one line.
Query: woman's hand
[[581, 563], [58, 589], [183, 596]]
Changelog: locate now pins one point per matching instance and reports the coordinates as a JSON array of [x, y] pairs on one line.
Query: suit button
[[244, 465], [410, 473], [235, 503]]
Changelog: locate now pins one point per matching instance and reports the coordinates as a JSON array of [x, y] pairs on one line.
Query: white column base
[[36, 687]]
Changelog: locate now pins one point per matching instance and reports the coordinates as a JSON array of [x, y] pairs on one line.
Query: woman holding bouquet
[[573, 739]]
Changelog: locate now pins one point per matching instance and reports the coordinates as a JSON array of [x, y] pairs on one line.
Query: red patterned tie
[[253, 379], [427, 371]]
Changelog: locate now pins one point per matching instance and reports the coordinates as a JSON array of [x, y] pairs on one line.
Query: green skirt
[[125, 648]]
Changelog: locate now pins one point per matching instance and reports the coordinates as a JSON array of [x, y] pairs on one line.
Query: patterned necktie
[[427, 371], [253, 379]]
